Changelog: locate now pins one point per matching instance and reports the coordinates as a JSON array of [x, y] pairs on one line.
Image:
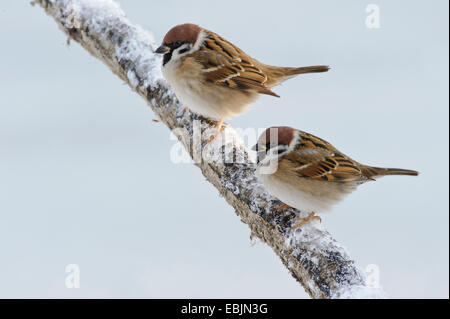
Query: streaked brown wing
[[317, 159], [226, 65]]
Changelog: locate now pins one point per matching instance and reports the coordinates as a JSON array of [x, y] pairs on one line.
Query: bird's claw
[[282, 206], [306, 220]]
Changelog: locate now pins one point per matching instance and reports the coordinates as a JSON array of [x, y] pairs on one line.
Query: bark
[[312, 256]]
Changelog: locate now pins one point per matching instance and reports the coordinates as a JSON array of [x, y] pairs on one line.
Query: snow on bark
[[312, 256]]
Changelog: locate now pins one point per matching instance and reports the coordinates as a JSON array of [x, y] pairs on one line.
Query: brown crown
[[184, 33], [283, 135]]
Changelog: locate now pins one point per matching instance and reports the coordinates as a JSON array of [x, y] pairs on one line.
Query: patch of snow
[[360, 292], [134, 81]]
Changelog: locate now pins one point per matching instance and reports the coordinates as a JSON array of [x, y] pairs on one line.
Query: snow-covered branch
[[311, 255]]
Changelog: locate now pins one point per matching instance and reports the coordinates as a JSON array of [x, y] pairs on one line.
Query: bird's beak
[[162, 49], [255, 147]]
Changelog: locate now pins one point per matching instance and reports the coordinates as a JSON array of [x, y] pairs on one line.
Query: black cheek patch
[[167, 57], [173, 46]]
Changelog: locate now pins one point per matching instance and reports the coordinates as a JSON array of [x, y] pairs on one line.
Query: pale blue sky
[[86, 178]]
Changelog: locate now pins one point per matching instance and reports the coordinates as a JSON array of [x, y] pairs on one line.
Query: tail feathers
[[374, 172], [281, 74], [308, 69]]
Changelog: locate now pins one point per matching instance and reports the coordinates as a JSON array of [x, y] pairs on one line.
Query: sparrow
[[215, 78], [308, 173]]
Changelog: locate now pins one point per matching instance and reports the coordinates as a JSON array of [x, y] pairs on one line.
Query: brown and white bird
[[308, 173], [213, 77]]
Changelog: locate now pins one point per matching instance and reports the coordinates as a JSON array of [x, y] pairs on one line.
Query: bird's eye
[[176, 44], [184, 50]]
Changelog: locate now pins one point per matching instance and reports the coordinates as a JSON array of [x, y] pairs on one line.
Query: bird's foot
[[305, 220], [282, 206], [219, 129], [213, 137]]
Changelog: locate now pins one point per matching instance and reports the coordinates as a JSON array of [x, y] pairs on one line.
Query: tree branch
[[312, 256]]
